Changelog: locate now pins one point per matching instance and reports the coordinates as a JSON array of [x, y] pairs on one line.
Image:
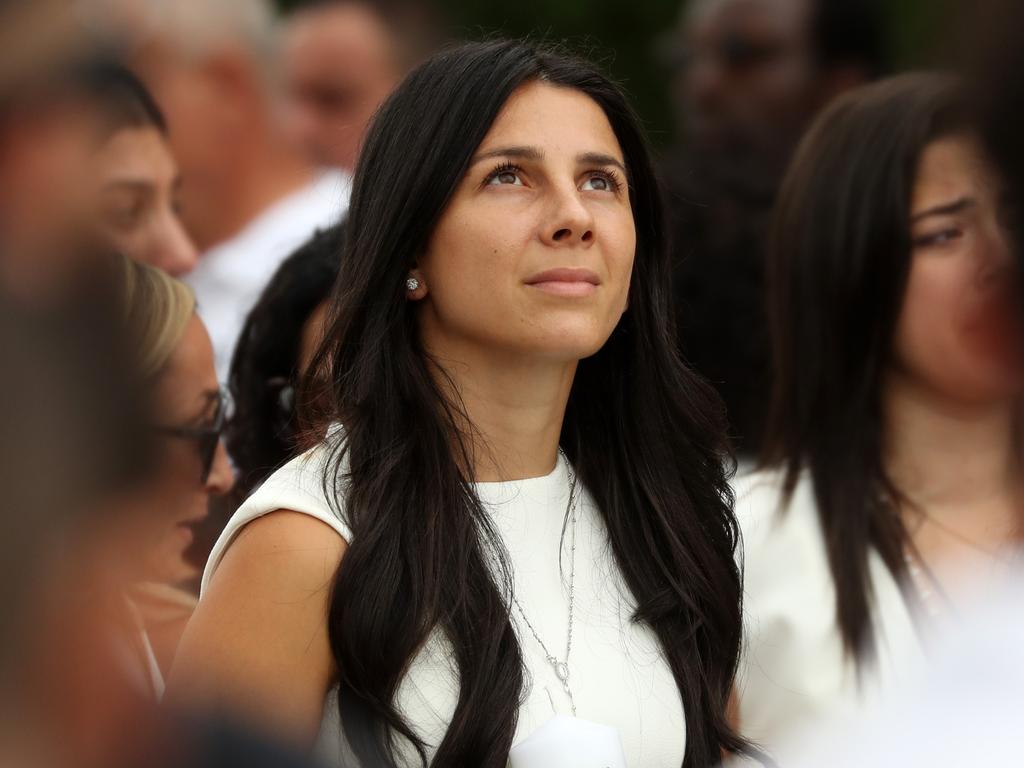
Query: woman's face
[[138, 193], [186, 396], [311, 337], [533, 256], [958, 329]]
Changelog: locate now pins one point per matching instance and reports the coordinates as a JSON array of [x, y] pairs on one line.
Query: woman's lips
[[565, 282], [184, 534]]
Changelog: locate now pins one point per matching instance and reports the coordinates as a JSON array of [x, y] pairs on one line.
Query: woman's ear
[[415, 285]]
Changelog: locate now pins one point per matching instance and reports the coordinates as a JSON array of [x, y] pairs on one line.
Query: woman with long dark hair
[[893, 464], [523, 512]]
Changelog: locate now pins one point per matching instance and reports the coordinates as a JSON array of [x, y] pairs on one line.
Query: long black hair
[[839, 260], [264, 378], [645, 435]]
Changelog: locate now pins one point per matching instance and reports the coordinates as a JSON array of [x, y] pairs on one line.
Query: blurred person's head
[[340, 59], [889, 268], [274, 351], [752, 73], [47, 135], [137, 178], [74, 442], [188, 411], [211, 66]]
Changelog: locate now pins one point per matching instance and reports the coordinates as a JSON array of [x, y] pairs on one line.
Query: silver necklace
[[561, 668]]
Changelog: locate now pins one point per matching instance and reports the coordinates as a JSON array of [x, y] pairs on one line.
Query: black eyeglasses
[[206, 437]]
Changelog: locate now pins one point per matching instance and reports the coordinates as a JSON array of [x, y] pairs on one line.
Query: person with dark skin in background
[[748, 76]]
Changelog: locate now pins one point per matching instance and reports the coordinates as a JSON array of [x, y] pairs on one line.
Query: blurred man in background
[[340, 60], [748, 77], [249, 196]]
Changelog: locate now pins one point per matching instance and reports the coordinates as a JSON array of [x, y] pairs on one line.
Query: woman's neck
[[514, 408], [944, 455]]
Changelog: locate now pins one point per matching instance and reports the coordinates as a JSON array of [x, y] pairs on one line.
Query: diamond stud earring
[[412, 284]]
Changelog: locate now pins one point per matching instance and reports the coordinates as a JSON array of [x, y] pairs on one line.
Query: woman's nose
[[571, 221], [222, 477], [176, 253]]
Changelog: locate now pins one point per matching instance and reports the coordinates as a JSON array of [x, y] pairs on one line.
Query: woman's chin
[[566, 351], [570, 342]]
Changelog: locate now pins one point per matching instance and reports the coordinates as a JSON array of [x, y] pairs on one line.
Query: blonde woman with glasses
[[188, 410]]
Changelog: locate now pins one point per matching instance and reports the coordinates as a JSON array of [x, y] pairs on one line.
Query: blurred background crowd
[[174, 176]]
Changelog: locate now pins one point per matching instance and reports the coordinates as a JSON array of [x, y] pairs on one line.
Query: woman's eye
[[939, 238], [124, 211], [505, 177], [600, 182], [125, 217]]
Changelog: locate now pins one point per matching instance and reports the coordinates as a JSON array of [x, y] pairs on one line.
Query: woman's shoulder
[[310, 484], [761, 494], [775, 516]]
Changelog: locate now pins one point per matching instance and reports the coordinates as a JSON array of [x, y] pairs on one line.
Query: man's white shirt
[[231, 275]]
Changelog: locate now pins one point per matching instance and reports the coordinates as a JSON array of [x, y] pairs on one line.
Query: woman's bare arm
[[257, 646]]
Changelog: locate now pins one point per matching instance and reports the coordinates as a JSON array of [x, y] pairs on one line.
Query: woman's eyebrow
[[521, 153], [204, 407], [128, 183], [599, 158], [956, 206], [534, 153]]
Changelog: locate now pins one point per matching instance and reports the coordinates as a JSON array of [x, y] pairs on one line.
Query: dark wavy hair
[[263, 433], [644, 434], [840, 254]]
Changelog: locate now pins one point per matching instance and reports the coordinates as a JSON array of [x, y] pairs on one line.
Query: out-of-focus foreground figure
[[82, 462], [748, 77], [892, 478], [47, 144], [967, 709], [340, 60]]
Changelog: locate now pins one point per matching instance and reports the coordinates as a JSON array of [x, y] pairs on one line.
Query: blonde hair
[[157, 309]]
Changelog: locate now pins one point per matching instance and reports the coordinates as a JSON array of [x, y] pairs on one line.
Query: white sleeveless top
[[794, 674], [619, 677]]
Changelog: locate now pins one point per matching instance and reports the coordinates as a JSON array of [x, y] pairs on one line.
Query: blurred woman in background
[[275, 349], [135, 173], [188, 411], [892, 476], [278, 341]]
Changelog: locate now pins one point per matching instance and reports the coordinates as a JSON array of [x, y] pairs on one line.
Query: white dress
[[619, 677], [794, 674]]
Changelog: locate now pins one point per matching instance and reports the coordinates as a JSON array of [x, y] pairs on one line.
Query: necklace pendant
[[562, 671]]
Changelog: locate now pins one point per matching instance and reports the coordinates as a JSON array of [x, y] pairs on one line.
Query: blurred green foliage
[[623, 34]]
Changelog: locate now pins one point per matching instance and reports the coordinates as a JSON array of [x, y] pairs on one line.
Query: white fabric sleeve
[[297, 486]]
